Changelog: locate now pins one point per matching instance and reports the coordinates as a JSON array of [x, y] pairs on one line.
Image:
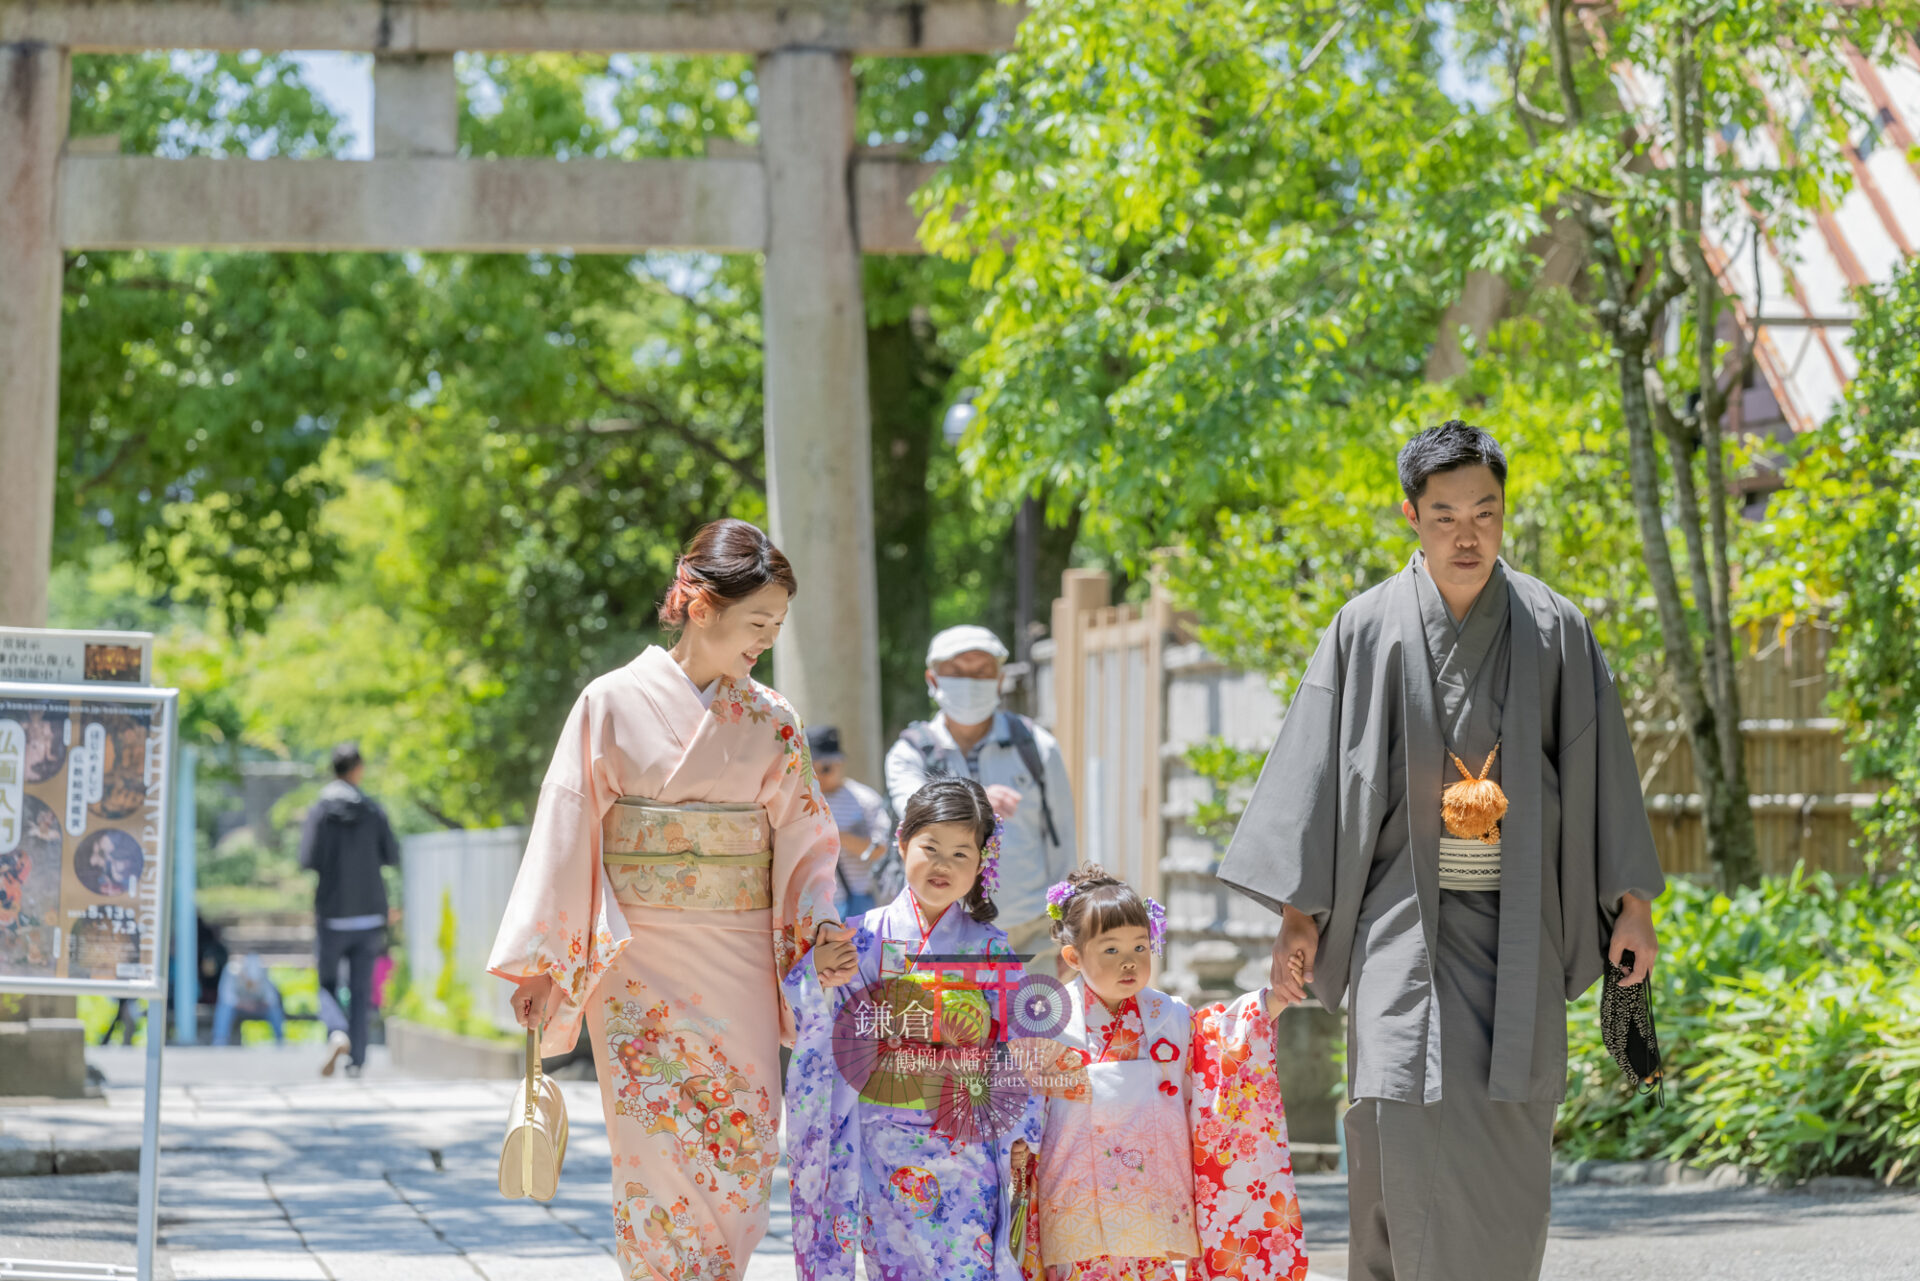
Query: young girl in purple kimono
[[879, 1161]]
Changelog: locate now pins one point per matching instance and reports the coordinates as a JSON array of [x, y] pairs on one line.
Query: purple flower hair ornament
[[990, 859], [1156, 927], [1057, 896]]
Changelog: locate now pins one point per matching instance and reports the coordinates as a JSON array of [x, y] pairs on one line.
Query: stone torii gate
[[810, 201]]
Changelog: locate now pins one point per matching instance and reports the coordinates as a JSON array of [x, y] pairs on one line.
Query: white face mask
[[966, 701]]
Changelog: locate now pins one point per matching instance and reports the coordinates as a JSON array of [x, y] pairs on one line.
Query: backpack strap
[[1020, 731], [920, 739]]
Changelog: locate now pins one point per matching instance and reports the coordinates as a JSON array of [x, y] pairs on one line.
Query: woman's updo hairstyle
[[1101, 901], [726, 561], [954, 800]]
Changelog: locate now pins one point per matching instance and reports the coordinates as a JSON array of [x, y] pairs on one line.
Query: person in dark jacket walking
[[347, 840]]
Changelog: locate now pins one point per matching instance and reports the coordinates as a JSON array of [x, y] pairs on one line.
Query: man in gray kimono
[[1456, 957]]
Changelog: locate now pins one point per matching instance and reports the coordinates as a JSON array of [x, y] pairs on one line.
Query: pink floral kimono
[[1166, 1139], [679, 863]]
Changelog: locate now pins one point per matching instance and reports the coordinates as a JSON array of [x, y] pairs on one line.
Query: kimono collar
[[1089, 1012], [900, 922], [1099, 1013], [1489, 608], [1456, 651], [680, 703]]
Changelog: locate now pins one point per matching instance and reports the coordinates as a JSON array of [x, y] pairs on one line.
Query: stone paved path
[[290, 1178]]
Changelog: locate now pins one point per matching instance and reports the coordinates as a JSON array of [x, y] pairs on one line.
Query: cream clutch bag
[[536, 1134]]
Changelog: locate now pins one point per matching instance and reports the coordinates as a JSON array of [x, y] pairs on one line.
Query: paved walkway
[[289, 1178]]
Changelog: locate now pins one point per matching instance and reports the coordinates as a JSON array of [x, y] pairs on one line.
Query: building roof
[[1804, 277]]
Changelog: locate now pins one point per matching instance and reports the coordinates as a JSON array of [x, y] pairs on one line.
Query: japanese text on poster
[[83, 786]]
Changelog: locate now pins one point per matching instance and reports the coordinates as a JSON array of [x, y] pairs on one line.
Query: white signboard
[[75, 658]]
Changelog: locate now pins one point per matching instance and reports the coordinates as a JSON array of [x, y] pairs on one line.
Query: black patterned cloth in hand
[[1626, 1029]]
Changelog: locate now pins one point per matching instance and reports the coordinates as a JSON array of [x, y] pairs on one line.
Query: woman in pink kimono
[[681, 860]]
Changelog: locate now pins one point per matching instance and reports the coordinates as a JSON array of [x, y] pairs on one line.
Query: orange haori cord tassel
[[1472, 808]]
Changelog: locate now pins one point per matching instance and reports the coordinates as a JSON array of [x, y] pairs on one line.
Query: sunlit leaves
[[197, 390], [1210, 234], [1844, 541]]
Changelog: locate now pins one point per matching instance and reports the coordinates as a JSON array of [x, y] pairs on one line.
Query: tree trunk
[[1726, 816]]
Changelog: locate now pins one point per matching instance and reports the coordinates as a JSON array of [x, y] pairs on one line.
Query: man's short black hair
[[1448, 447], [346, 759]]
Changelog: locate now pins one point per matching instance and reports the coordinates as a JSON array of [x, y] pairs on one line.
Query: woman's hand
[[834, 960], [536, 1000]]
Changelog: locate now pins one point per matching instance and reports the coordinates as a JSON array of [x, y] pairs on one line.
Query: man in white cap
[[1015, 760]]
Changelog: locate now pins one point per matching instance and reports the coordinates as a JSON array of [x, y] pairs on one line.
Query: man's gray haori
[[1456, 1000]]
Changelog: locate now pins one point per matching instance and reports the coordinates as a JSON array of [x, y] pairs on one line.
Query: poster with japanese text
[[84, 779]]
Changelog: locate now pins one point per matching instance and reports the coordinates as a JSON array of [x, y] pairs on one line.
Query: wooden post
[[34, 91], [1081, 591], [1158, 618], [35, 87], [819, 448]]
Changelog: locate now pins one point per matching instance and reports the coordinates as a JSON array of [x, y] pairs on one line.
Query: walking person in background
[[1017, 762], [866, 827], [126, 1018], [347, 840]]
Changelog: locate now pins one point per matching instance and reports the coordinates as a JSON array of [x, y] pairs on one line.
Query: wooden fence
[[1126, 691], [1804, 794]]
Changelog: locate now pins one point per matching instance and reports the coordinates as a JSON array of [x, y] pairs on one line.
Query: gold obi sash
[[693, 857]]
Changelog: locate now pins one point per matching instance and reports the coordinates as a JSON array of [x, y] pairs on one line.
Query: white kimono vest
[[1116, 1169]]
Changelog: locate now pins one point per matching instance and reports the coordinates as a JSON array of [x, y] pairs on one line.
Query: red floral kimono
[[1108, 1163]]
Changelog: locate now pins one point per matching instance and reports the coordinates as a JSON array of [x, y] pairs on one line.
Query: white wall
[[477, 867]]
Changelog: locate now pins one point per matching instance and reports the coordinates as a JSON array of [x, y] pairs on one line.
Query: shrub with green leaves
[[1789, 1020]]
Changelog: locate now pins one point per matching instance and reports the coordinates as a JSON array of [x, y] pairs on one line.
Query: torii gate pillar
[[819, 451], [34, 91]]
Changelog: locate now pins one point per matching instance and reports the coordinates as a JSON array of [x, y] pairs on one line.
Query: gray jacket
[[1029, 862]]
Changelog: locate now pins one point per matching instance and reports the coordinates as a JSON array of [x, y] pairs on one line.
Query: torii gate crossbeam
[[809, 201]]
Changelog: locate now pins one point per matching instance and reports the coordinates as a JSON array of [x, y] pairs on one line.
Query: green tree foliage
[[421, 500], [1662, 130], [1843, 543], [197, 390], [1200, 228], [1268, 579], [1219, 242]]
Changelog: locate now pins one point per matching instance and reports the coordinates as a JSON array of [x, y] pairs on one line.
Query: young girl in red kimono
[[1165, 1134]]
